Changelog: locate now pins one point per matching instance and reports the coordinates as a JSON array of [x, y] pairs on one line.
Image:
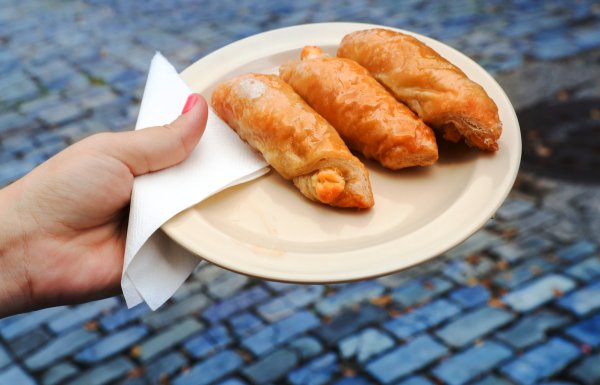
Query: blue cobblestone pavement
[[518, 303]]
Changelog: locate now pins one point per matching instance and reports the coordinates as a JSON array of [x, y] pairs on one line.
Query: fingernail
[[191, 100]]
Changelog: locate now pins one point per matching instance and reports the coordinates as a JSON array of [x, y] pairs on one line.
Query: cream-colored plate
[[267, 229]]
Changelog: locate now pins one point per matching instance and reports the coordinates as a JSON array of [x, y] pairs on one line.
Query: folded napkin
[[154, 266]]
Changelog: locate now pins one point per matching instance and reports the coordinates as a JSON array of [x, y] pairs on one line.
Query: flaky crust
[[294, 139], [440, 93], [367, 117]]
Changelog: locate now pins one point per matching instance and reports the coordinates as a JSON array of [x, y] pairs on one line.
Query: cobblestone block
[[160, 369], [479, 241], [245, 324], [588, 371], [566, 231], [538, 292], [586, 38], [104, 373], [187, 289], [508, 252], [4, 357], [553, 48], [13, 124], [208, 342], [534, 244], [227, 284], [287, 303], [97, 96], [365, 344], [191, 305], [577, 251], [25, 344], [211, 369], [15, 375], [349, 295], [68, 82], [39, 104], [586, 270], [306, 347], [422, 318], [463, 272], [78, 315], [165, 340], [112, 344], [18, 325], [59, 373], [514, 209], [60, 347], [523, 272], [316, 372], [532, 329], [587, 331], [24, 90], [583, 301], [541, 362], [536, 220], [473, 326], [416, 380], [420, 291], [465, 366], [103, 70], [406, 359], [18, 145], [48, 138], [493, 380], [271, 367], [126, 75], [350, 321], [122, 316], [241, 301], [62, 114], [470, 296], [279, 332]]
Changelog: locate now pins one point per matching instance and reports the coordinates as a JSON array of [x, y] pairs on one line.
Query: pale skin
[[63, 225]]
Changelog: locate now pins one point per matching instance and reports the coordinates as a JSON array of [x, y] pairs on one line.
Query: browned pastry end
[[440, 93], [299, 143], [367, 117]]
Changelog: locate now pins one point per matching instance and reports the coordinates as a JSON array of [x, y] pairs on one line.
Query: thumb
[[156, 148]]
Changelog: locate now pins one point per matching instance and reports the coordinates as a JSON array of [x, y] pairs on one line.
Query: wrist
[[15, 288]]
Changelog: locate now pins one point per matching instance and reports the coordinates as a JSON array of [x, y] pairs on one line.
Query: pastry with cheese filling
[[296, 141]]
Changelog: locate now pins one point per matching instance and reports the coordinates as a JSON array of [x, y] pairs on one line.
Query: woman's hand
[[63, 226]]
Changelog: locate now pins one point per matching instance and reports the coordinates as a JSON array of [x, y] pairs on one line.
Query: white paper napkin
[[154, 266]]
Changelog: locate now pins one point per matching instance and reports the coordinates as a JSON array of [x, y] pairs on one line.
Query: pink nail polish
[[191, 101]]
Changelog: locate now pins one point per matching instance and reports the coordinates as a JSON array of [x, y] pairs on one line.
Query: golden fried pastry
[[299, 143], [366, 116], [440, 93]]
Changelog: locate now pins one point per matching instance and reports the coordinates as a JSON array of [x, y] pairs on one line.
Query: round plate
[[267, 229]]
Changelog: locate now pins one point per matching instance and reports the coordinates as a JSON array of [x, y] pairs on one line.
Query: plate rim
[[467, 232]]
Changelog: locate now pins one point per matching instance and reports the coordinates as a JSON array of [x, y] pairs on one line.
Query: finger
[[156, 148]]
